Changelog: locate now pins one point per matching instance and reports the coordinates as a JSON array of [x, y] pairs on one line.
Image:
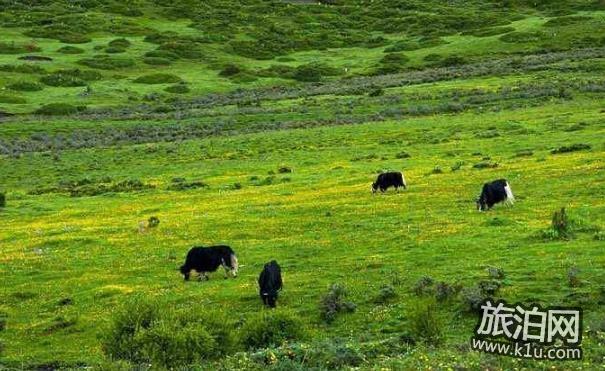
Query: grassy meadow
[[270, 147]]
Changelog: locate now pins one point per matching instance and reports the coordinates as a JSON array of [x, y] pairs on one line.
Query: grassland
[[207, 164]]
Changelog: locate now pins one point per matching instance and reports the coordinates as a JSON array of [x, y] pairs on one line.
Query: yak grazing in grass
[[493, 193], [387, 180], [208, 259], [270, 283]]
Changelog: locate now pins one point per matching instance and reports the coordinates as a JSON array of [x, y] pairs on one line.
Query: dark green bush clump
[[58, 109], [522, 37], [229, 70], [22, 68], [10, 99], [119, 43], [179, 184], [571, 148], [313, 72], [334, 302], [2, 200], [104, 62], [144, 332], [153, 222], [158, 78], [178, 89], [69, 49], [157, 61], [70, 78], [271, 329], [485, 165], [13, 48], [25, 86], [425, 325]]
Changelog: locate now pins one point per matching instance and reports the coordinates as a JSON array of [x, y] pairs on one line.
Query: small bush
[[13, 48], [423, 286], [403, 155], [25, 86], [425, 325], [180, 184], [144, 332], [157, 61], [572, 148], [178, 89], [2, 200], [457, 166], [284, 170], [70, 78], [271, 328], [119, 43], [22, 68], [496, 273], [444, 291], [485, 165], [334, 302], [69, 49], [158, 78], [472, 298], [104, 62], [58, 109], [385, 294], [573, 278], [153, 222], [524, 153], [230, 70], [376, 92]]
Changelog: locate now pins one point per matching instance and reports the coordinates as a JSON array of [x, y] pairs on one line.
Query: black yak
[[208, 259], [270, 283], [493, 193], [387, 180]]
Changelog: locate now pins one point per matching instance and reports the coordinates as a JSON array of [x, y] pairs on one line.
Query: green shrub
[[58, 109], [425, 325], [168, 345], [178, 89], [69, 49], [143, 331], [119, 43], [385, 294], [158, 78], [184, 49], [334, 302], [13, 48], [11, 99], [114, 50], [104, 62], [157, 61], [313, 72], [121, 340], [165, 54], [2, 200], [70, 78], [271, 328], [25, 86], [230, 70], [571, 148], [22, 68]]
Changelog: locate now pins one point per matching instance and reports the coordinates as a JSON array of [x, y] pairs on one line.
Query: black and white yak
[[493, 193], [390, 179], [270, 283], [208, 259]]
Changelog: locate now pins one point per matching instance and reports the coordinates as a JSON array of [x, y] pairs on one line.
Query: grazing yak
[[387, 180], [208, 259], [494, 192], [270, 283]]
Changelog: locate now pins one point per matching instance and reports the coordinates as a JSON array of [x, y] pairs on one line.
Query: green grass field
[[73, 250]]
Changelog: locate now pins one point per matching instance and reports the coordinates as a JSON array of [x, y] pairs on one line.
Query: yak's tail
[[509, 193], [234, 263]]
